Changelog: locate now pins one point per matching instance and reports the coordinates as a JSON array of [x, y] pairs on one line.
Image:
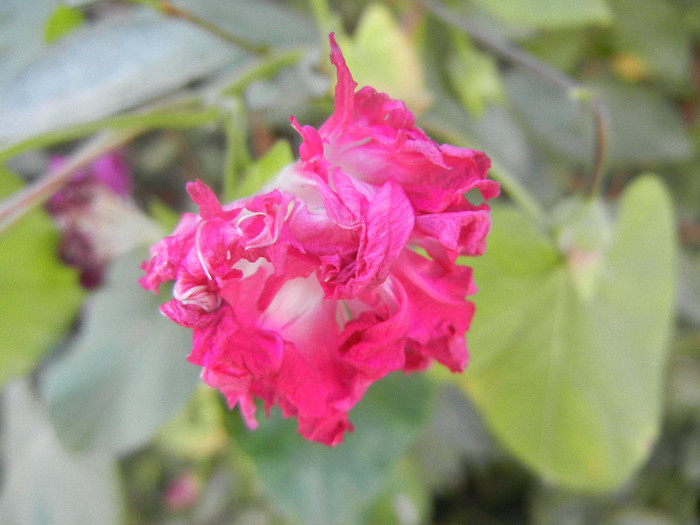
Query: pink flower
[[305, 295], [182, 493]]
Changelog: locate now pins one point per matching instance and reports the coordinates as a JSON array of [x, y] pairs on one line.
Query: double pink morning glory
[[305, 295]]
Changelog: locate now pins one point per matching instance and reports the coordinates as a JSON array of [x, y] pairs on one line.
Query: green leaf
[[265, 168], [474, 77], [21, 33], [129, 58], [126, 373], [40, 295], [63, 20], [42, 483], [572, 385], [405, 498], [104, 68], [382, 56], [549, 13], [336, 485], [197, 430]]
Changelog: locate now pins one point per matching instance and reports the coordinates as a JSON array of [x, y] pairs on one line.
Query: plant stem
[[32, 195], [168, 9], [516, 55], [156, 119], [237, 158], [263, 69]]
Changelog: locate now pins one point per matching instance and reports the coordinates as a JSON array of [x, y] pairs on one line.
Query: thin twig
[[516, 55], [12, 208], [169, 9]]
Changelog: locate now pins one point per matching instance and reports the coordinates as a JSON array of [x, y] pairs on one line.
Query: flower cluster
[[344, 271]]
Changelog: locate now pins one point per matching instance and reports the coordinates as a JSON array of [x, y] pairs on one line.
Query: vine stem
[[37, 192], [168, 9], [516, 55], [123, 129]]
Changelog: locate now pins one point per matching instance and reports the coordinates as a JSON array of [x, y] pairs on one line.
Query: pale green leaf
[[62, 21], [405, 499], [474, 77], [21, 33], [382, 56], [40, 295], [42, 484], [265, 168], [572, 385], [127, 59]]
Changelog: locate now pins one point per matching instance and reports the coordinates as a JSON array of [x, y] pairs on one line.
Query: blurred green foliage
[[582, 402]]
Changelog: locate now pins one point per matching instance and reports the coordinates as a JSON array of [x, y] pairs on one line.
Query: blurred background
[[581, 403]]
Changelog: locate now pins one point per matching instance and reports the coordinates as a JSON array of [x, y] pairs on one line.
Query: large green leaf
[[318, 485], [106, 67], [568, 373], [40, 296], [21, 33], [126, 372], [42, 483], [549, 13], [63, 20], [125, 60]]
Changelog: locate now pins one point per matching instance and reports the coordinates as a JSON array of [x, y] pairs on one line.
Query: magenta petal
[[388, 225], [202, 195], [448, 234], [345, 87]]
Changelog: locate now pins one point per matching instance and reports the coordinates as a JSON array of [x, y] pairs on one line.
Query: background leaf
[[382, 56], [41, 296], [126, 372], [122, 61], [335, 485], [265, 168], [644, 127], [42, 483], [21, 33], [573, 387], [63, 20]]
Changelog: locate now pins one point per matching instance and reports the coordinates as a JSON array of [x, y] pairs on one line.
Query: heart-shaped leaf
[[571, 382], [42, 483]]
